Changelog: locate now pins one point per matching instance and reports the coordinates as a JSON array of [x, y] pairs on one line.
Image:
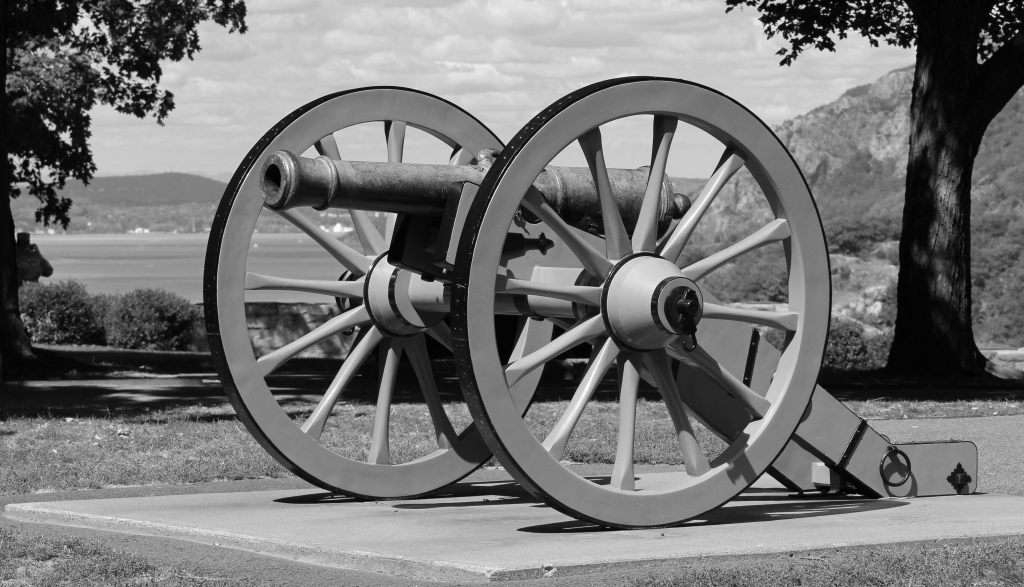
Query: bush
[[760, 276], [850, 347], [151, 319], [61, 312], [857, 236]]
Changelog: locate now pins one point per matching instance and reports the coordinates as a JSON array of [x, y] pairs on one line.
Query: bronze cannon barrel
[[289, 181]]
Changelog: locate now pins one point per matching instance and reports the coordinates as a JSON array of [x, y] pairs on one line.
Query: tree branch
[[999, 79]]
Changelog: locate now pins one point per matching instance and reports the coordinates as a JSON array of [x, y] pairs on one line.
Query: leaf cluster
[[819, 25], [65, 57]]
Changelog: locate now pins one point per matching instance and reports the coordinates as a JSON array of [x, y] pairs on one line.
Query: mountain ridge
[[154, 189]]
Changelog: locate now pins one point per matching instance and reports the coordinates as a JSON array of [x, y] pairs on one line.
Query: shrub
[[61, 312], [857, 236], [886, 319], [151, 319], [101, 305], [850, 347], [760, 276]]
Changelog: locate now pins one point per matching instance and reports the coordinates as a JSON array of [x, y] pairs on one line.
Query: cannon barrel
[[289, 181]]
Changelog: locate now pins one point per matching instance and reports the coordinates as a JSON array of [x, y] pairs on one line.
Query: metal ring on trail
[[890, 454]]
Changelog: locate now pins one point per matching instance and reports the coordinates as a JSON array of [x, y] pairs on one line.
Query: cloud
[[502, 60]]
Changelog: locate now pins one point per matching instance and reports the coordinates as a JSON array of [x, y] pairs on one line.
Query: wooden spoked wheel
[[368, 278], [638, 308]]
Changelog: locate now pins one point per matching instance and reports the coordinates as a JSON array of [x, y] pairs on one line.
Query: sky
[[503, 61]]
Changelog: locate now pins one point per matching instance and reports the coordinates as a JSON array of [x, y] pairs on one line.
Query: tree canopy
[[64, 57], [820, 24]]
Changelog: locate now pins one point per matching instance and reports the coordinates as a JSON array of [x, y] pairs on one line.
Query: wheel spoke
[[339, 289], [731, 163], [578, 334], [460, 156], [380, 452], [562, 323], [645, 234], [754, 404], [314, 425], [616, 238], [368, 235], [594, 262], [534, 335], [416, 349], [773, 232], [269, 362], [781, 320], [328, 147], [354, 261], [693, 456], [629, 376], [394, 131], [581, 294], [559, 436]]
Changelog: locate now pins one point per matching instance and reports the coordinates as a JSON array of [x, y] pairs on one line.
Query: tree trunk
[[14, 343], [934, 334]]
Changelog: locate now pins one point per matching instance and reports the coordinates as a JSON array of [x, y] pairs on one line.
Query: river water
[[109, 263]]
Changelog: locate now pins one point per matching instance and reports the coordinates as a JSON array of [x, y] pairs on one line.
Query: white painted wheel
[[386, 321], [639, 306]]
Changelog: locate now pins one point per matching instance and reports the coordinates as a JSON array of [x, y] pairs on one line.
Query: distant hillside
[[160, 189], [853, 152], [158, 202]]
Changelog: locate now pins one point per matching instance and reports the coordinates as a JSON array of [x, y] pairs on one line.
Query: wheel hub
[[647, 303], [386, 295]]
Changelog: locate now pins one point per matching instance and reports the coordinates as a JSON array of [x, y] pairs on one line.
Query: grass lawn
[[886, 409], [40, 452], [57, 560], [65, 561], [971, 562], [64, 450], [197, 444]]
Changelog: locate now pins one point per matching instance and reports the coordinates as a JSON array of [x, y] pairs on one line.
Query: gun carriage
[[573, 256]]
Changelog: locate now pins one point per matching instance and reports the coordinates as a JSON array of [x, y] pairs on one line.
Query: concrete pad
[[482, 531]]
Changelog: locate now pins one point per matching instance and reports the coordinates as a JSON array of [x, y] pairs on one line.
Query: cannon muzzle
[[289, 181]]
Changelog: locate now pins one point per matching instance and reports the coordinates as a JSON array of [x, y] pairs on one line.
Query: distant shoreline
[[119, 262]]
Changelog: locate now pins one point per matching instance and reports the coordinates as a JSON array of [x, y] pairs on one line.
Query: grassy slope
[[197, 444], [970, 562], [67, 561]]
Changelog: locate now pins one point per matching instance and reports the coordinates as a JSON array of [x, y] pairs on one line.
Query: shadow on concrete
[[753, 505], [738, 512], [487, 493], [486, 501], [318, 498]]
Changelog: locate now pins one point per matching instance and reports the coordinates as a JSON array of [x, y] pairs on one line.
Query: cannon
[[509, 261]]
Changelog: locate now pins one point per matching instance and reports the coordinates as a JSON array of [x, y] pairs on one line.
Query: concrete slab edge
[[395, 564], [387, 564], [550, 571]]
